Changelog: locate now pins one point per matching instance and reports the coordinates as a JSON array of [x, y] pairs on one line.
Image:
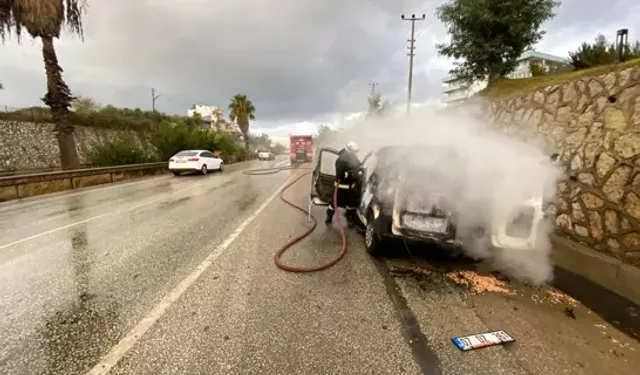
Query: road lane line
[[118, 352], [25, 239]]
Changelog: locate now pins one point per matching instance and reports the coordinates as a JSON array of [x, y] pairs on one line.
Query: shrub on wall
[[120, 151], [108, 117]]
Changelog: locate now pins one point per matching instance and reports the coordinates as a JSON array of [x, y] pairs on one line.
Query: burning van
[[413, 193]]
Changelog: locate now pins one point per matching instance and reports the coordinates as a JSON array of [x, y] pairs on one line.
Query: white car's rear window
[[186, 153]]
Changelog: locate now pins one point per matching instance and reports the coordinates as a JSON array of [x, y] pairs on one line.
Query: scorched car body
[[405, 194]]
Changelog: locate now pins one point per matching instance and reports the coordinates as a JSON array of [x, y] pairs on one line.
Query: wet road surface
[[182, 269], [78, 270]]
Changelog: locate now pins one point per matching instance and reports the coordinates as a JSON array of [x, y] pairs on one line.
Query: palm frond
[[41, 17]]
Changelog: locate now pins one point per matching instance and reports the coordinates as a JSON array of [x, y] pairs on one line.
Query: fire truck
[[301, 148]]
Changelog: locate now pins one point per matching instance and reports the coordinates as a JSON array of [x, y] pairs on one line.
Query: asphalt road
[[176, 276]]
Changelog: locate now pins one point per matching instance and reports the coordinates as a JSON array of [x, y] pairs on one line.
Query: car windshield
[[263, 151], [187, 153]]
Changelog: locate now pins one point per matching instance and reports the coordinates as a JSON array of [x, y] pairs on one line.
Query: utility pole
[[153, 99], [373, 87], [411, 53]]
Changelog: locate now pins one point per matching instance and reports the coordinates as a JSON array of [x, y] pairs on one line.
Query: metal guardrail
[[72, 174], [18, 180], [29, 171]]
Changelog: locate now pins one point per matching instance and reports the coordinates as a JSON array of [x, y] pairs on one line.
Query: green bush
[[225, 143], [168, 138], [120, 151]]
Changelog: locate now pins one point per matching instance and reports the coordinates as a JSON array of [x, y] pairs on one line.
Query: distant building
[[546, 61], [208, 113], [455, 92], [213, 116]]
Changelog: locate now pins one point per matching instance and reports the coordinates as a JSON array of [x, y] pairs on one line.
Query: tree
[[84, 105], [490, 35], [536, 69], [279, 149], [601, 52], [44, 19], [241, 110], [261, 142], [377, 107], [219, 121], [323, 135]]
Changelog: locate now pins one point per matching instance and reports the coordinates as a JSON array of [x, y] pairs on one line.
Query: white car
[[265, 155], [194, 161]]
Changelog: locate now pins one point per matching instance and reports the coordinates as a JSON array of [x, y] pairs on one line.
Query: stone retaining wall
[[32, 146], [594, 124]]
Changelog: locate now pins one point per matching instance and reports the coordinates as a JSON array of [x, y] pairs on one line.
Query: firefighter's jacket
[[347, 167]]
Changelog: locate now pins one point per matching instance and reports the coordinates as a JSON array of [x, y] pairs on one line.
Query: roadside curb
[[608, 272]]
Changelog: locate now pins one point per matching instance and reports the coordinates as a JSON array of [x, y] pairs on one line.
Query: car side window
[[206, 155]]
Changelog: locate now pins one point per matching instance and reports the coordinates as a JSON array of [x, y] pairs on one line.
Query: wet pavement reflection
[[74, 335], [78, 270]]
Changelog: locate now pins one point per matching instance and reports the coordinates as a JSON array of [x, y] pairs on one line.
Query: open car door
[[324, 176]]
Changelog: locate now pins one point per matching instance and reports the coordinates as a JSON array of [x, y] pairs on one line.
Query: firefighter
[[347, 175]]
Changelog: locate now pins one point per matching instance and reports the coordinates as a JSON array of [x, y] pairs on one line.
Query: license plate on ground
[[482, 340]]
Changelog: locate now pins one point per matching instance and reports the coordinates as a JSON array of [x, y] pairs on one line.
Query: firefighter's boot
[[329, 216]]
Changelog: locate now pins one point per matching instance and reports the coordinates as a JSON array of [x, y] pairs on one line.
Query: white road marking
[[118, 352], [25, 239], [281, 163]]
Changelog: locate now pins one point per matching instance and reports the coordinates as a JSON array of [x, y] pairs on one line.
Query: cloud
[[297, 60]]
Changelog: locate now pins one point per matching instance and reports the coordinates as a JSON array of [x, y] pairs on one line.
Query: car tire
[[220, 169], [175, 173], [373, 242], [203, 170]]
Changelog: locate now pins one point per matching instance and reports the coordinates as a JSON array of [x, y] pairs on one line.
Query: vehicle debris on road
[[478, 283]]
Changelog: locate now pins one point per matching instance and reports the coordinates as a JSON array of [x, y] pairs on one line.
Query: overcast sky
[[301, 62]]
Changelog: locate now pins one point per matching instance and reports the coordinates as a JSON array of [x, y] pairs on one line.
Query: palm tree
[[44, 19], [241, 110]]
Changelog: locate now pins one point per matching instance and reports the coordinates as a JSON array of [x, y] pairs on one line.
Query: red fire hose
[[288, 245]]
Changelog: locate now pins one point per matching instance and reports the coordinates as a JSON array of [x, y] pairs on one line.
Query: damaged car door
[[323, 176]]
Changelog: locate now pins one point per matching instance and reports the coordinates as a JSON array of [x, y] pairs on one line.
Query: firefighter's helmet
[[352, 146]]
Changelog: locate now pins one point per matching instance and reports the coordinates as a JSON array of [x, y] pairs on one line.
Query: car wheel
[[175, 173], [372, 241], [204, 169], [220, 169]]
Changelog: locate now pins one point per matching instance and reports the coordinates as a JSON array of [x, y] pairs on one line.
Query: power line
[[357, 81], [411, 53]]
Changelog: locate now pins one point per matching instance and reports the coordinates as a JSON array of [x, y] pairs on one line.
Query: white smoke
[[491, 175]]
